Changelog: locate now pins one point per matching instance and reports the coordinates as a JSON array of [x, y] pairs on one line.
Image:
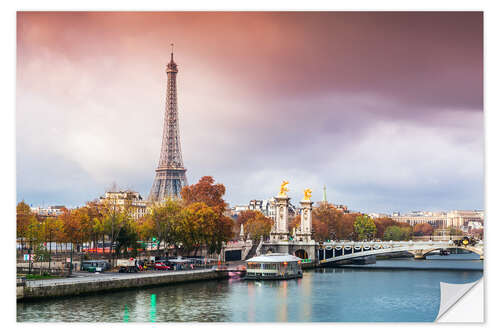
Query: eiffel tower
[[170, 174]]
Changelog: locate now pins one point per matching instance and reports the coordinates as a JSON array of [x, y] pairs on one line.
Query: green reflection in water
[[125, 314], [152, 312]]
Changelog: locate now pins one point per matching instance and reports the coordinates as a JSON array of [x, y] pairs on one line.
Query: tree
[[294, 223], [364, 227], [197, 225], [145, 227], [205, 191], [223, 233], [383, 222], [164, 220], [328, 219], [210, 194], [73, 231], [455, 231], [258, 226], [319, 229], [397, 233], [127, 237], [115, 217], [345, 226], [23, 218], [422, 229]]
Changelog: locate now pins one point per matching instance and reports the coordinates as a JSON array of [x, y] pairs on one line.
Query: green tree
[[164, 220], [397, 233], [364, 227], [127, 238]]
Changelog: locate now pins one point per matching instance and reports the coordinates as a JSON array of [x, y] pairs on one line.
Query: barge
[[273, 266]]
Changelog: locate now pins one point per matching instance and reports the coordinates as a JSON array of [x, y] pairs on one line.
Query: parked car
[[95, 265], [161, 266]]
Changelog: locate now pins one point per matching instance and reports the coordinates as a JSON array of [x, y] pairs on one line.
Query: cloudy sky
[[385, 109]]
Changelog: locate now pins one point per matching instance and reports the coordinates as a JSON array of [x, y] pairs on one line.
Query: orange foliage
[[205, 191], [422, 229]]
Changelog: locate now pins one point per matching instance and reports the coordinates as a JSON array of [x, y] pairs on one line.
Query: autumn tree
[[196, 225], [345, 226], [319, 230], [115, 217], [364, 227], [205, 191], [210, 194], [223, 231], [95, 212], [257, 226], [422, 229], [329, 219], [73, 231], [145, 227], [24, 217], [294, 223]]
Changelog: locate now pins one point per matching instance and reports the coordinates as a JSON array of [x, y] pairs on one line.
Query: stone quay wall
[[58, 288]]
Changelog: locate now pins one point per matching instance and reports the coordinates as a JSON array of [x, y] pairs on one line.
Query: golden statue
[[307, 194], [283, 189]]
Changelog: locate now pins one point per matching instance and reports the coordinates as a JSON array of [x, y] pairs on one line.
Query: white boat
[[273, 266]]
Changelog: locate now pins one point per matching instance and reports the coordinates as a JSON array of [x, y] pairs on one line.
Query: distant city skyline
[[385, 109]]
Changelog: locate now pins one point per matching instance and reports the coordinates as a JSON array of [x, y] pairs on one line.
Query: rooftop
[[274, 257]]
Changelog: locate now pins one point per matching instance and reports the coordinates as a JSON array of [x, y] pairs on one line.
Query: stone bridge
[[336, 251]]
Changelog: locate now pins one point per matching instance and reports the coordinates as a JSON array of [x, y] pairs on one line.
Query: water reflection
[[326, 294], [152, 312]]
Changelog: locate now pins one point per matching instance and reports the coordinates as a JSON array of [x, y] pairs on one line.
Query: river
[[396, 290]]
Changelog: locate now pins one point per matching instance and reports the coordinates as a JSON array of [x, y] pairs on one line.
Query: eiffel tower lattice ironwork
[[170, 173]]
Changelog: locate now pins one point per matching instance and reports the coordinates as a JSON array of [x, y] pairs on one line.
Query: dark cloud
[[372, 104]]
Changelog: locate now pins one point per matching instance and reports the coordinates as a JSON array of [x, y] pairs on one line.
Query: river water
[[396, 290]]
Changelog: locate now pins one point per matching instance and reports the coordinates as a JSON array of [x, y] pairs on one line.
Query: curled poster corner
[[452, 294]]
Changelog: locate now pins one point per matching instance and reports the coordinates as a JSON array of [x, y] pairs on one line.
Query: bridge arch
[[302, 254], [470, 249]]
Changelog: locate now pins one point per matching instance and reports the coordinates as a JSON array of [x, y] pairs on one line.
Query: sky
[[385, 109]]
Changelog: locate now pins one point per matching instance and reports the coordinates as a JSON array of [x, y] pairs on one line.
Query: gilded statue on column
[[283, 189], [307, 194]]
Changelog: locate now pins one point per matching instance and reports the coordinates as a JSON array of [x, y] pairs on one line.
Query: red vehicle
[[161, 266]]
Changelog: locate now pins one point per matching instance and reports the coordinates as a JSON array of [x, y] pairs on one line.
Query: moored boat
[[273, 266]]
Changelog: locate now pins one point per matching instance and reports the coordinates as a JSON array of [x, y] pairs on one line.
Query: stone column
[[280, 231], [305, 230], [242, 233]]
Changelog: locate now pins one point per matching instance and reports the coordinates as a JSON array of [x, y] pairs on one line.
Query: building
[[51, 211], [377, 215], [460, 218], [126, 199], [170, 174], [436, 219], [453, 219], [471, 226]]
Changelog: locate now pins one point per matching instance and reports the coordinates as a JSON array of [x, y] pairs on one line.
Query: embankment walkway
[[93, 283]]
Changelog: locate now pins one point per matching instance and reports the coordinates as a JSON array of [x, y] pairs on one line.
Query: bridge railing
[[333, 250]]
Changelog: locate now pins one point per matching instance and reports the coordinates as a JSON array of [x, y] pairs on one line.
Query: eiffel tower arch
[[170, 174]]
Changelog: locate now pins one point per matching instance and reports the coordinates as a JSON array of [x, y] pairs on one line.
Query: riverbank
[[97, 283]]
